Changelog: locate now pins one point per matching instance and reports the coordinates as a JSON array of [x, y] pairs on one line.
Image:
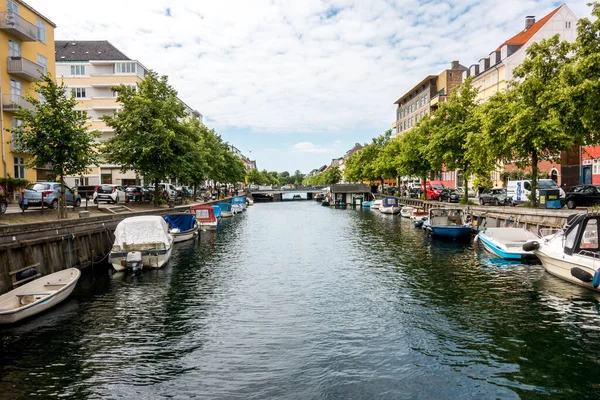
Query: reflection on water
[[294, 300]]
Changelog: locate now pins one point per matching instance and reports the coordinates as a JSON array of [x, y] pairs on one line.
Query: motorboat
[[237, 208], [376, 204], [205, 216], [448, 223], [418, 216], [368, 204], [250, 201], [182, 226], [389, 205], [405, 211], [572, 253], [147, 235], [506, 243], [217, 211], [37, 296], [226, 210], [240, 201]]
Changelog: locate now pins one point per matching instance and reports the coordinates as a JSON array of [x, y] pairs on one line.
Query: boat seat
[[37, 293], [56, 284]]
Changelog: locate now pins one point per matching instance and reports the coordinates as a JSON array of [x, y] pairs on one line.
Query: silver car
[[48, 193]]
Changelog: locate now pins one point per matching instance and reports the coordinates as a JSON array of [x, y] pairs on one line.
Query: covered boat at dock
[[239, 203], [506, 243], [226, 210], [147, 235], [405, 211], [572, 253], [183, 226], [447, 223], [376, 204], [205, 216], [217, 211], [389, 205], [37, 296]]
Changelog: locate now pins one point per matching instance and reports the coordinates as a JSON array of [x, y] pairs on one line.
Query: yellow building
[[26, 48], [90, 69]]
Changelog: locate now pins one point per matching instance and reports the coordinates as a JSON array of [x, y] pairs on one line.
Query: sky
[[295, 83]]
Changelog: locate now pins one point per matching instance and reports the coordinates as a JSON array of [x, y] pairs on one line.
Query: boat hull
[[183, 236], [9, 316], [209, 225], [150, 258], [226, 214], [451, 232], [561, 268], [501, 251], [389, 210]]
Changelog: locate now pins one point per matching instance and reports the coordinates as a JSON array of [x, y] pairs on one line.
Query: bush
[[12, 184]]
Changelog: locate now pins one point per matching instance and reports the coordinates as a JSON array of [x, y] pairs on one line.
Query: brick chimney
[[529, 20], [454, 64]]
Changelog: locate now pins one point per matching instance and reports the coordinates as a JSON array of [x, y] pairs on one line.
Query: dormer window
[[504, 52]]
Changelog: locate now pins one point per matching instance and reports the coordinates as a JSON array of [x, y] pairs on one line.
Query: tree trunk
[[424, 195], [466, 186], [534, 173]]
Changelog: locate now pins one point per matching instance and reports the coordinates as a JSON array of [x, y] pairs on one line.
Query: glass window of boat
[[589, 239], [571, 236], [201, 213]]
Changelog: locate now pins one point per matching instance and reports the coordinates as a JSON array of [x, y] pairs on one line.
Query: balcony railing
[[440, 98], [11, 102], [24, 68], [18, 26]]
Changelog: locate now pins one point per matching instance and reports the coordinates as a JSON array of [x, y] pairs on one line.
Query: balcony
[[11, 103], [24, 69], [440, 98], [18, 27]]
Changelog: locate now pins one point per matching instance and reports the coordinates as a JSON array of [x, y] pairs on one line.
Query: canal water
[[297, 301]]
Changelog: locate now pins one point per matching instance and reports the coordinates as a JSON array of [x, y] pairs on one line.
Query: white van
[[521, 190]]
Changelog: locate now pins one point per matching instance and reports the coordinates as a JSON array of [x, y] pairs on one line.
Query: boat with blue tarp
[[182, 226], [389, 205], [239, 203], [226, 210], [217, 211]]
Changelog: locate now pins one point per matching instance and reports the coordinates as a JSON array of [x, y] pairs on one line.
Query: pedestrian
[[218, 193]]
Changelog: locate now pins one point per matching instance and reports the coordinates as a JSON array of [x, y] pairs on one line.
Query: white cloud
[[282, 66], [308, 147]]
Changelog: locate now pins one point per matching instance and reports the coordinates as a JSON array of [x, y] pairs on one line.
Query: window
[[41, 30], [12, 6], [596, 167], [587, 162], [78, 93], [488, 81], [77, 69], [568, 25], [42, 62], [504, 52], [19, 168], [125, 68], [14, 48], [589, 239], [16, 91]]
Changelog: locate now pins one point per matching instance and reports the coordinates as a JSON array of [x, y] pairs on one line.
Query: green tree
[[353, 171], [147, 130], [298, 177], [413, 158], [254, 176], [527, 127], [54, 133], [332, 176], [454, 122]]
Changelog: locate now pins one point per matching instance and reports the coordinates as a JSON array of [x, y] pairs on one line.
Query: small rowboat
[[37, 296]]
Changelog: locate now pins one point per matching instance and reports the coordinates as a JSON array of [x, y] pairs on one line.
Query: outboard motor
[[134, 261]]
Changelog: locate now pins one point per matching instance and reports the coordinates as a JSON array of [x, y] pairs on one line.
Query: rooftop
[[523, 37], [418, 85], [87, 50]]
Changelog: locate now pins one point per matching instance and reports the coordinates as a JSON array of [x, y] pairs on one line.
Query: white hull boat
[[149, 236], [572, 253], [226, 214], [183, 227], [237, 208], [389, 210], [376, 204], [249, 201], [405, 211], [37, 296], [506, 243], [207, 226]]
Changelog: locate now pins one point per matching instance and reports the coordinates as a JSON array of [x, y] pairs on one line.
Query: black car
[[496, 196], [450, 195], [139, 193], [583, 196]]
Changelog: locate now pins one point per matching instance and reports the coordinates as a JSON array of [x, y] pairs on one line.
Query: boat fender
[[26, 274], [596, 281], [581, 274], [531, 246]]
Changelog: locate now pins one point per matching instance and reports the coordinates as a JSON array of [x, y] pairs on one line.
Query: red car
[[433, 189]]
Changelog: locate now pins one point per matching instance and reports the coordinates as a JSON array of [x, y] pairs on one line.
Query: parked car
[[495, 196], [3, 200], [47, 192], [139, 193], [170, 190], [433, 189], [582, 196], [85, 191], [520, 190], [450, 195], [110, 193]]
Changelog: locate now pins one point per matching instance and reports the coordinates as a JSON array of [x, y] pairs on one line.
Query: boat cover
[[225, 206], [238, 200], [217, 211], [183, 222], [390, 202], [142, 230], [203, 213]]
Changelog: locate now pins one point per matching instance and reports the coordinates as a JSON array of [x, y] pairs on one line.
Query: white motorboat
[[182, 226], [405, 211], [376, 204], [506, 243], [37, 296], [250, 201], [447, 223], [389, 205], [572, 253], [148, 235], [237, 208]]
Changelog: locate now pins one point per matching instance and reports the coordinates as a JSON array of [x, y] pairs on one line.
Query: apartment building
[[26, 51], [90, 69], [426, 97], [248, 163], [492, 74]]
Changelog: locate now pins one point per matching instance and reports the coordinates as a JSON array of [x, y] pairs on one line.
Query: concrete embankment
[[52, 246]]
